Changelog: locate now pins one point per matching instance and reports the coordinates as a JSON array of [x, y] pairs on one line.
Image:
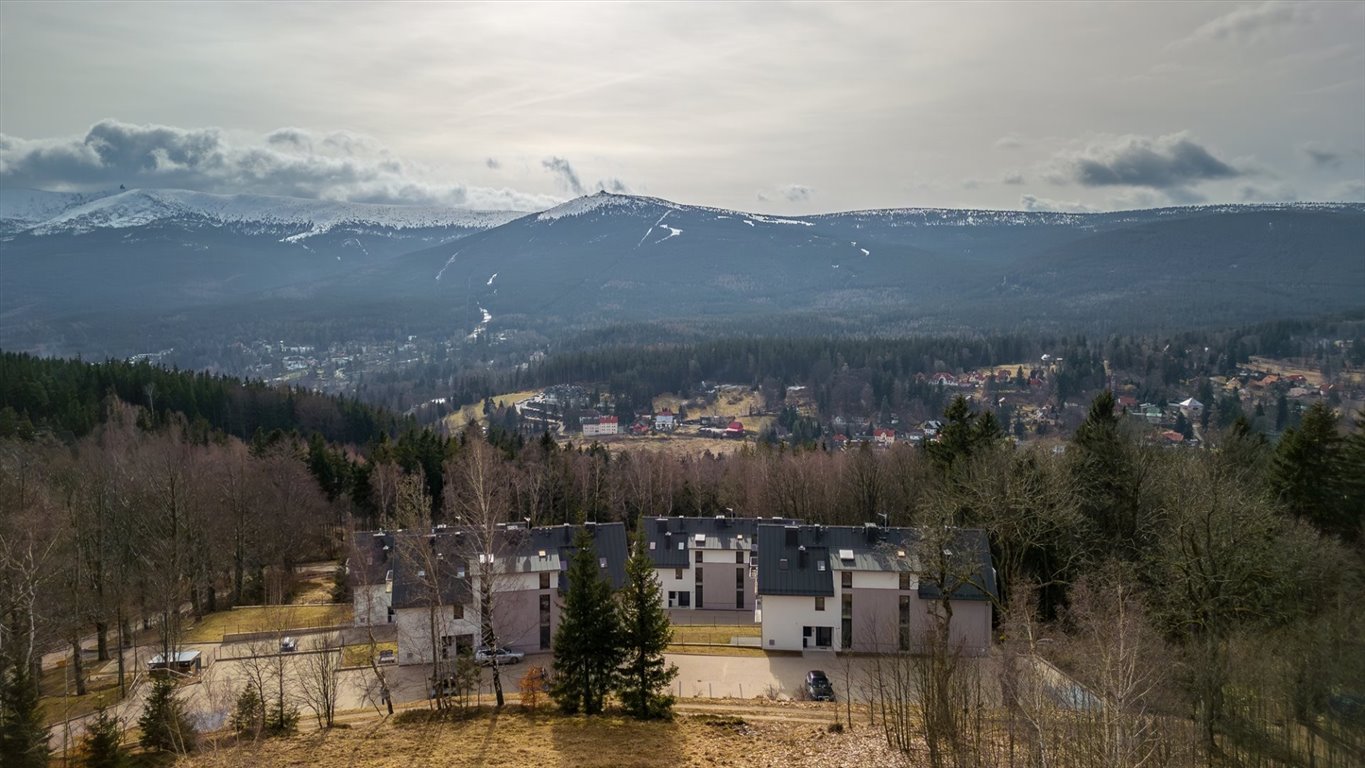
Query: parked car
[[818, 687], [289, 645], [388, 657], [499, 656]]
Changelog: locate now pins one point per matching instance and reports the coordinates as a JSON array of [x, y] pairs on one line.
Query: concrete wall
[[516, 610], [669, 582], [784, 617], [718, 582], [371, 604], [414, 631]]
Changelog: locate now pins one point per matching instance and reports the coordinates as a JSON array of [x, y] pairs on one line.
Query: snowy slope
[[138, 207]]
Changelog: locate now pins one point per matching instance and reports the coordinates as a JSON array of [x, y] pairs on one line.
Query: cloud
[[568, 177], [1009, 141], [1320, 156], [1275, 193], [1012, 178], [289, 161], [1249, 23], [1349, 191], [1166, 162], [1035, 203], [493, 163], [613, 185], [795, 193]]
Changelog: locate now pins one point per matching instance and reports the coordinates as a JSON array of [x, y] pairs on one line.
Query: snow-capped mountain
[[48, 213], [619, 259]]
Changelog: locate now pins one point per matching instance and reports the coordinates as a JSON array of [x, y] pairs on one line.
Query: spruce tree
[[1103, 470], [165, 725], [1309, 473], [104, 743], [588, 640], [642, 682], [23, 739]]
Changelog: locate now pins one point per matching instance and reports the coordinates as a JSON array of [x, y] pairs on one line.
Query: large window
[[699, 556], [846, 579], [846, 613], [904, 580], [544, 622], [819, 603], [544, 579], [739, 557], [905, 623]]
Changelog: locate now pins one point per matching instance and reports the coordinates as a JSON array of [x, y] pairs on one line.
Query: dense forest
[[848, 372], [1239, 568]]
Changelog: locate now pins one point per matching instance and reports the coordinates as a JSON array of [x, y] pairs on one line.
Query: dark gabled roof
[[790, 557], [451, 551], [370, 558], [969, 547], [425, 562], [609, 544], [663, 534]]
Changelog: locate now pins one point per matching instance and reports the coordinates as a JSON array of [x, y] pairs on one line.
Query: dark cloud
[[614, 185], [568, 177], [1321, 157], [289, 161], [493, 163], [1012, 178], [1165, 162]]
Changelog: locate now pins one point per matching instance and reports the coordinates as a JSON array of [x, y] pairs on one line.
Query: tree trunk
[[102, 640], [77, 667]]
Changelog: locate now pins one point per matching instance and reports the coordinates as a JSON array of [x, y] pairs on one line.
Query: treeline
[[69, 399], [857, 375]]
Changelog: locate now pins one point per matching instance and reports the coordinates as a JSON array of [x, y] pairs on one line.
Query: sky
[[770, 107]]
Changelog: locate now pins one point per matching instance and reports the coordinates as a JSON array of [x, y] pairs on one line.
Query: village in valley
[[1272, 394]]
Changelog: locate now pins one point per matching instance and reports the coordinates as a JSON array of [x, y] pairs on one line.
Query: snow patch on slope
[[138, 207]]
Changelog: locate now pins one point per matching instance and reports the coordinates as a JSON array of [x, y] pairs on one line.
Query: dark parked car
[[818, 687]]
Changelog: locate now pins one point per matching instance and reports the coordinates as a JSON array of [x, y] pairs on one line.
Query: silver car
[[489, 657]]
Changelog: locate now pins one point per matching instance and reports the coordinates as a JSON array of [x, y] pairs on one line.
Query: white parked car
[[498, 656]]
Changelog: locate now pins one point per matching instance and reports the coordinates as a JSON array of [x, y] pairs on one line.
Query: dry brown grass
[[515, 739], [457, 420], [266, 618], [720, 634]]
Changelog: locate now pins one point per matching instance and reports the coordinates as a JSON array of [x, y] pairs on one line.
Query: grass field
[[101, 691], [266, 618], [360, 655], [778, 736], [720, 634], [456, 421]]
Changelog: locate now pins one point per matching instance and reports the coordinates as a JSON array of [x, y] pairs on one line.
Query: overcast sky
[[767, 107]]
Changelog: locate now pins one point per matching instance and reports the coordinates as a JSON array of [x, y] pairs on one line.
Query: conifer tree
[[642, 682], [104, 743], [1308, 473], [588, 641], [165, 725], [23, 739]]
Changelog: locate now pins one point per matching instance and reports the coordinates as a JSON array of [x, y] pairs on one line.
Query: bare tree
[[318, 679]]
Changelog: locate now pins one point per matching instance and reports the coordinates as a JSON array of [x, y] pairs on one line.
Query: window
[[698, 574], [699, 557], [904, 580], [677, 573], [905, 622], [739, 600], [739, 578], [819, 603], [820, 565], [739, 557], [782, 564], [846, 614], [544, 622], [846, 579], [684, 599], [651, 545], [700, 604], [682, 545], [457, 610], [824, 637], [544, 579], [601, 562]]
